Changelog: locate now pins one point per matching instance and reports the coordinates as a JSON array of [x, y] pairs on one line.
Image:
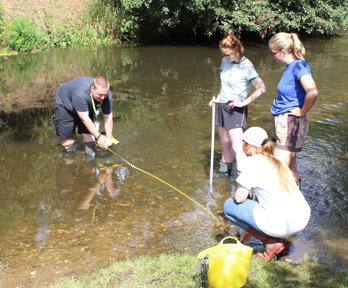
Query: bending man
[[78, 104]]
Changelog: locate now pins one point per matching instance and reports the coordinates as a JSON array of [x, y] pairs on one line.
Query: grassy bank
[[98, 23], [176, 270]]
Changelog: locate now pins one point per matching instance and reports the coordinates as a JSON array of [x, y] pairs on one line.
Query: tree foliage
[[260, 17]]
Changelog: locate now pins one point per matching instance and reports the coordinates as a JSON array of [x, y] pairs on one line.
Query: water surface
[[62, 215]]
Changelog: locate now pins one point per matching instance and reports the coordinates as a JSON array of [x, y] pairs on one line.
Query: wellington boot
[[224, 170], [90, 149], [70, 149]]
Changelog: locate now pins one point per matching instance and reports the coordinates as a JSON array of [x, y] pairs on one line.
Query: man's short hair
[[102, 82]]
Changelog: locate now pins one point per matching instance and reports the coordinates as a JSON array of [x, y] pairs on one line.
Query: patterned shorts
[[289, 132]]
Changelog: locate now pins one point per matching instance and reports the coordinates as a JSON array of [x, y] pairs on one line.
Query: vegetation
[[101, 23], [2, 12], [261, 18], [109, 21], [23, 35], [178, 270]]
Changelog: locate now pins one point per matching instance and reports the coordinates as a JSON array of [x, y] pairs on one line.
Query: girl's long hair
[[287, 182], [231, 41]]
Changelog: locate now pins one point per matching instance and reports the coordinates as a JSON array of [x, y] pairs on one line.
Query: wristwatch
[[97, 138]]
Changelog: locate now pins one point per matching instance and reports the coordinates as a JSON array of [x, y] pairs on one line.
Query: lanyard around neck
[[96, 113]]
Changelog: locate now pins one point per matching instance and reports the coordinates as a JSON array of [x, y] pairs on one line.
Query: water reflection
[[61, 215], [79, 186]]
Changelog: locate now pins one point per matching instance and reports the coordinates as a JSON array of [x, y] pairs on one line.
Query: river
[[65, 215]]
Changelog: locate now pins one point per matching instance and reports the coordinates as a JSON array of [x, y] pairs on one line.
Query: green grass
[[179, 270], [162, 271]]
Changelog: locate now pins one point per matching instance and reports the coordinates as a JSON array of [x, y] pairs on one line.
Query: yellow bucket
[[226, 265]]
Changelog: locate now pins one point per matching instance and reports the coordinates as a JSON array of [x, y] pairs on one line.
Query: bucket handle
[[229, 237]]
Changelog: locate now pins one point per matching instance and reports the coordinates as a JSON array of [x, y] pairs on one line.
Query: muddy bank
[[39, 93]]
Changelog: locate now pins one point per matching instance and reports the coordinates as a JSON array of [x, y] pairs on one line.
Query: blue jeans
[[241, 213]]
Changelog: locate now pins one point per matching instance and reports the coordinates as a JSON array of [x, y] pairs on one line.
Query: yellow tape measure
[[114, 141]]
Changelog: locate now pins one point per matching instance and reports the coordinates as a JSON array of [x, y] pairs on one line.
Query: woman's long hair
[[231, 41], [288, 42], [287, 182]]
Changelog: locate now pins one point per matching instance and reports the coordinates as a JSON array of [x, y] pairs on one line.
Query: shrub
[[23, 36], [64, 34], [102, 22], [110, 19]]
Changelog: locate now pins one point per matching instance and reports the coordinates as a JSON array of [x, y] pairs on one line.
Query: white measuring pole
[[212, 144]]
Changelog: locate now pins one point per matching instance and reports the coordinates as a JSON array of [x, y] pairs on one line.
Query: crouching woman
[[279, 209]]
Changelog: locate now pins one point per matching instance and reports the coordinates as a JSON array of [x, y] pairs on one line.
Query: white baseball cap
[[255, 136]]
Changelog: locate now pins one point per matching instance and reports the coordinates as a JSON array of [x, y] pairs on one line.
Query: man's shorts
[[289, 132], [66, 122], [231, 118]]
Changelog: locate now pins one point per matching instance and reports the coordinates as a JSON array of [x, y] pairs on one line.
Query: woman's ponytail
[[288, 42], [298, 48]]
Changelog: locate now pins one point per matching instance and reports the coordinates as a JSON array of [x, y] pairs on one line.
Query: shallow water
[[62, 215]]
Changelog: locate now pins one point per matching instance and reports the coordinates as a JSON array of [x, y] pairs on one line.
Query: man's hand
[[108, 141], [104, 142]]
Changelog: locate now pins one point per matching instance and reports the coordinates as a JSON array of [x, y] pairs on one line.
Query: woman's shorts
[[66, 122], [289, 132], [231, 118]]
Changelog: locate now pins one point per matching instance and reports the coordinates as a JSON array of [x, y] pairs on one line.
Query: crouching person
[[279, 209]]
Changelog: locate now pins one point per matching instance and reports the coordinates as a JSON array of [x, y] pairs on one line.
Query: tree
[[260, 17]]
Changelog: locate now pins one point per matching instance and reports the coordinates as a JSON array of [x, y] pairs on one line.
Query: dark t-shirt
[[75, 95]]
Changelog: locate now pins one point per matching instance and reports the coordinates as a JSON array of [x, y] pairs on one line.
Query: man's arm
[[102, 141], [108, 124], [84, 116]]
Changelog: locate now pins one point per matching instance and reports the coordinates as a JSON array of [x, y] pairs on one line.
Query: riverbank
[[30, 26], [27, 26], [179, 270]]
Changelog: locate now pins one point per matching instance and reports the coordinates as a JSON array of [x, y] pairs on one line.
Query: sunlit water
[[62, 215]]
